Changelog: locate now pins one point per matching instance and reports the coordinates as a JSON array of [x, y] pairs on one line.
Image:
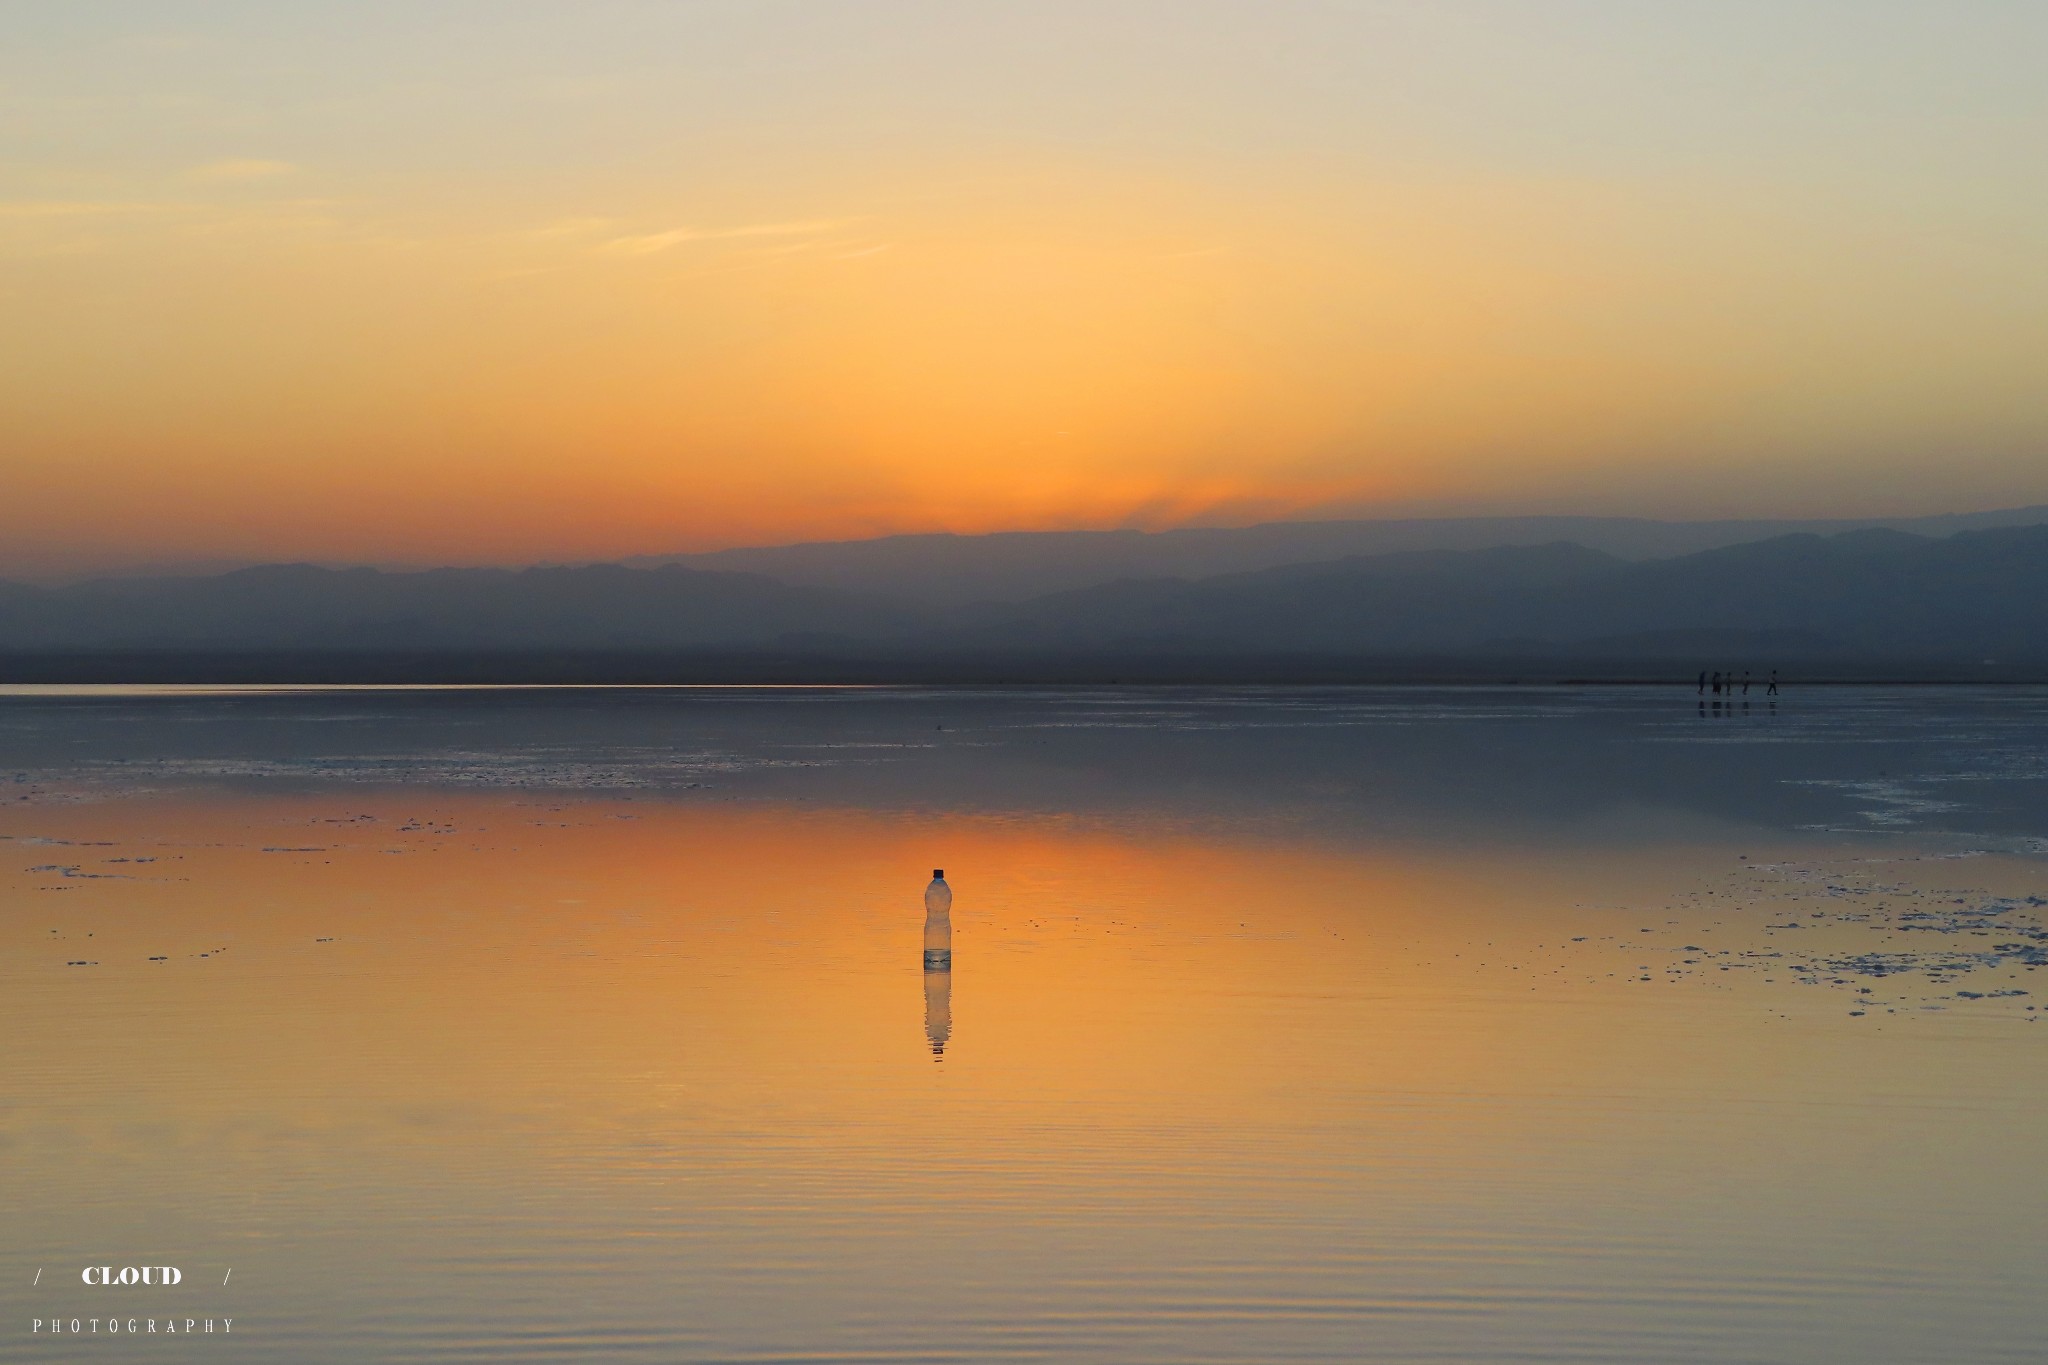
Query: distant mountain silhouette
[[1011, 566], [1382, 604], [299, 606], [1871, 594]]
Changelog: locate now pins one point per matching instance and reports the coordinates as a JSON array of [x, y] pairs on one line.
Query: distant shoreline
[[657, 669]]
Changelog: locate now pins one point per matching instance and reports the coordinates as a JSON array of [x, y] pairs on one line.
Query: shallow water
[[1383, 1025]]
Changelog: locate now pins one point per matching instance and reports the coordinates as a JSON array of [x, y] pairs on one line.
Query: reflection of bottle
[[938, 962], [938, 923], [938, 1009]]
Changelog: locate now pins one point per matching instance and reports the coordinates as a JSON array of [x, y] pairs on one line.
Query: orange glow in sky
[[471, 287]]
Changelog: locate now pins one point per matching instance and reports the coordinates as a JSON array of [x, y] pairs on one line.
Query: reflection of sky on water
[[1378, 1025], [1594, 764]]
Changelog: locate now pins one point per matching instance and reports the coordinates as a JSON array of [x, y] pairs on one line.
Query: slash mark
[[224, 1278], [38, 1279]]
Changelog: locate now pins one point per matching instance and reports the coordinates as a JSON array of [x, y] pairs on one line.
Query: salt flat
[[1321, 1024]]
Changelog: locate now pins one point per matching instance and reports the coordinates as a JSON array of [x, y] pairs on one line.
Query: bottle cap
[[938, 874]]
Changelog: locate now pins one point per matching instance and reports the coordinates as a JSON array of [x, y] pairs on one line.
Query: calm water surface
[[1345, 1025]]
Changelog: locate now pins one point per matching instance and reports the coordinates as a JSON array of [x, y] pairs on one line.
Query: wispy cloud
[[573, 227], [78, 208], [241, 169], [647, 244]]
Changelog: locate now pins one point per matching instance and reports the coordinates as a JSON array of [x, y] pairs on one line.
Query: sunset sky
[[502, 282]]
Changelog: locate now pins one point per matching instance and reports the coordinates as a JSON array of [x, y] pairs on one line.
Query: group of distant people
[[1719, 683]]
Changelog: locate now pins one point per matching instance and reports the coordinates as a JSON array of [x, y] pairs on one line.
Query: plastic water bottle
[[938, 923]]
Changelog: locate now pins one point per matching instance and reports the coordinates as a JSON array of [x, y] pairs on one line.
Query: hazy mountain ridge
[[942, 570], [304, 606], [1867, 594], [1870, 593], [1396, 603]]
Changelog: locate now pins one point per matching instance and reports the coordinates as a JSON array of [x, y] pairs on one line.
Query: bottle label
[[938, 959]]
